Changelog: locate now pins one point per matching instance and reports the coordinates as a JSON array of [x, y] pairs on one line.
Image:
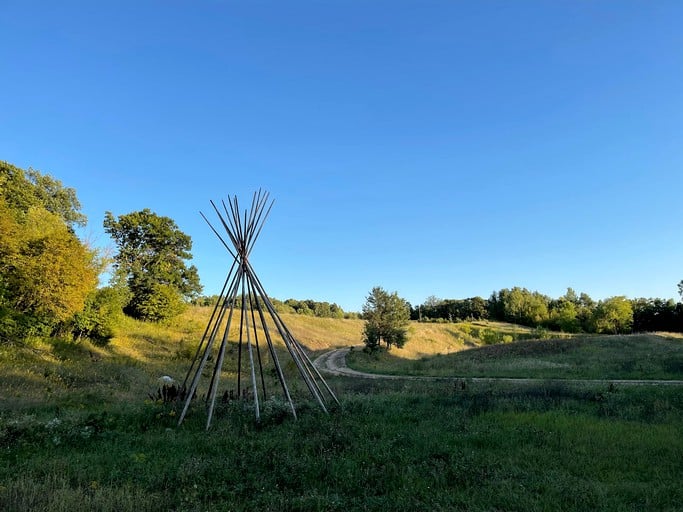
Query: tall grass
[[398, 447], [129, 366]]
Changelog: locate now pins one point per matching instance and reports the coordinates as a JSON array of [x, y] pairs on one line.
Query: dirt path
[[334, 363]]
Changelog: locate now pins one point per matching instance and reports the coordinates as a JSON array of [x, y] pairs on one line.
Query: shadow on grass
[[636, 357]]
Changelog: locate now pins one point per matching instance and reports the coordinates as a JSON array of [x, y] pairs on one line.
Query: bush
[[16, 327], [102, 313], [489, 336], [157, 303], [541, 333], [465, 328]]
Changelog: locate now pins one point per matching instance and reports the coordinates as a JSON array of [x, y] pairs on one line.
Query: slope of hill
[[640, 356], [129, 366]]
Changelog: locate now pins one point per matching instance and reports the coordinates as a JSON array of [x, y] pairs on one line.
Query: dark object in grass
[[231, 395], [166, 394]]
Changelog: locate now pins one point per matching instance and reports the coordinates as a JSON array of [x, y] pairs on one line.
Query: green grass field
[[78, 432], [647, 356]]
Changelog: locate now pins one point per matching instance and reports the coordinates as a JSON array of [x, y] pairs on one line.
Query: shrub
[[102, 313], [541, 333], [489, 336], [156, 303]]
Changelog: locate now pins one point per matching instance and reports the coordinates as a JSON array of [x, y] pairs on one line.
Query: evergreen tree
[[386, 318]]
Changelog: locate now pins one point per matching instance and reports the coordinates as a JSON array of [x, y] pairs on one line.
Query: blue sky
[[439, 148]]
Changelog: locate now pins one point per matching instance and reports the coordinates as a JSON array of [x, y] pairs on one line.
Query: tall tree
[[520, 306], [151, 258], [613, 316], [49, 272], [46, 272], [386, 319], [23, 190], [563, 316]]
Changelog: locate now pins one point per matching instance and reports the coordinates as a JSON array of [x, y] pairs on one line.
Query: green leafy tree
[[23, 190], [151, 259], [656, 315], [520, 306], [46, 274], [584, 312], [571, 296], [309, 307], [386, 318], [613, 315], [46, 271], [563, 316], [322, 310]]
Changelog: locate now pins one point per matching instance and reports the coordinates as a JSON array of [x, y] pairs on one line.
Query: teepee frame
[[243, 286]]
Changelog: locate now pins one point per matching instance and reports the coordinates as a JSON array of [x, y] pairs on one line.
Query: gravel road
[[334, 363]]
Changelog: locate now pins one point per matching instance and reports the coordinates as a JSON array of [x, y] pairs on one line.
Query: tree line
[[570, 313], [307, 307], [49, 280]]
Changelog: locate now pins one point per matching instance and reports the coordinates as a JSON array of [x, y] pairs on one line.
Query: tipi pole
[[276, 361], [239, 350], [293, 340], [228, 304], [217, 234], [292, 350], [252, 300], [243, 228], [208, 326], [251, 355], [205, 357], [215, 377]]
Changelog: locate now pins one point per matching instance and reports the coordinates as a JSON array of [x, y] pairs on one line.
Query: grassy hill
[[642, 356], [77, 431], [129, 366]]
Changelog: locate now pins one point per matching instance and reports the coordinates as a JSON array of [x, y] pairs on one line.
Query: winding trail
[[334, 363]]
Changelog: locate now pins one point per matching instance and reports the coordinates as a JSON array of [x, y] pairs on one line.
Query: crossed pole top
[[243, 227]]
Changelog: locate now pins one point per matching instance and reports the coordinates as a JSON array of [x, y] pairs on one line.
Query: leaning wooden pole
[[242, 227]]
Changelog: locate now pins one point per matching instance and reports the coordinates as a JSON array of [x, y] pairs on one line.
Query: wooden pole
[[201, 342], [215, 377], [243, 227], [251, 356], [252, 300]]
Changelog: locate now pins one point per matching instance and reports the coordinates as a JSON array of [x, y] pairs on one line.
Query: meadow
[[633, 357], [78, 430]]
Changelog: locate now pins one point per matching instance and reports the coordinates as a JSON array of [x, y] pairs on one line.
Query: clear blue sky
[[443, 148]]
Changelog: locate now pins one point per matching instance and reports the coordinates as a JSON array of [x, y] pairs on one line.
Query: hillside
[[77, 430], [635, 357], [129, 366]]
